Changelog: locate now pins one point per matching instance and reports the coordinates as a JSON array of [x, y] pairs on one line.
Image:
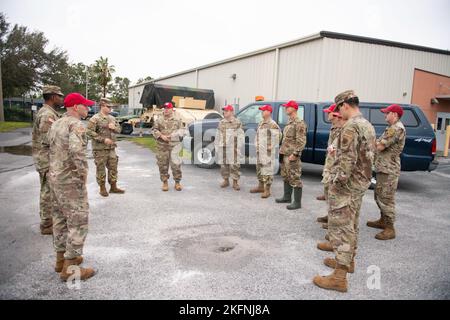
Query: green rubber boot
[[297, 203], [287, 194]]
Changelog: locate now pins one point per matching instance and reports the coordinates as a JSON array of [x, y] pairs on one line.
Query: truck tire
[[127, 128], [203, 156]]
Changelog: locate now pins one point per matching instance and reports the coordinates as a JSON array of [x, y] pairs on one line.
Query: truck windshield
[[251, 114]]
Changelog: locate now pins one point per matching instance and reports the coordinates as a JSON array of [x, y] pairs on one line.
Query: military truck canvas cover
[[158, 94]]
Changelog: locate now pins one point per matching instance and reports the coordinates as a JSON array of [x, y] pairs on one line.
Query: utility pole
[[2, 110], [87, 82]]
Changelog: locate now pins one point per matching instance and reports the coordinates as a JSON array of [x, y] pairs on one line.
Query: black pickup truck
[[418, 154]]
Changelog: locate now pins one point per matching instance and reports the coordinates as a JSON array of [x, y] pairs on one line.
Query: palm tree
[[102, 73]]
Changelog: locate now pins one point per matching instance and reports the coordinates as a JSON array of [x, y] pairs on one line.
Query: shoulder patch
[[80, 129]]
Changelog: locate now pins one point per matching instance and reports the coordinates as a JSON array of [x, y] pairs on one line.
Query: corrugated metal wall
[[254, 76], [316, 71], [134, 96], [377, 73], [184, 80], [299, 71]]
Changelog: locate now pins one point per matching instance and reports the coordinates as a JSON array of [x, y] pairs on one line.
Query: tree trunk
[[2, 112]]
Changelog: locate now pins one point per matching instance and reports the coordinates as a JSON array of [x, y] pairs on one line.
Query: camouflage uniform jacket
[[352, 168], [98, 131], [388, 160], [228, 133], [168, 126], [45, 117], [268, 132], [294, 137], [68, 161], [330, 158]]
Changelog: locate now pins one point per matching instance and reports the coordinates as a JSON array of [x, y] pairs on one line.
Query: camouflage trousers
[[70, 219], [326, 187], [230, 170], [45, 202], [385, 195], [106, 159], [166, 156], [262, 173], [291, 171], [343, 222]]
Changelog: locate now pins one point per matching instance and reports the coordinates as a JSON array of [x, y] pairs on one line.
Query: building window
[[439, 124]]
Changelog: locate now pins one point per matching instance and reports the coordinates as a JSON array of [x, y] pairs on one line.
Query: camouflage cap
[[52, 90], [106, 101], [344, 96]]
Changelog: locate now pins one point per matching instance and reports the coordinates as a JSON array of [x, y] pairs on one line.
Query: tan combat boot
[[236, 185], [266, 193], [46, 231], [225, 183], [258, 189], [377, 224], [60, 261], [325, 246], [178, 186], [321, 198], [165, 186], [323, 219], [84, 273], [331, 262], [335, 281], [115, 189], [103, 191], [388, 233]]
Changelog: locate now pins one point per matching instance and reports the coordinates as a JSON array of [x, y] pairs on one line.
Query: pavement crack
[[15, 169]]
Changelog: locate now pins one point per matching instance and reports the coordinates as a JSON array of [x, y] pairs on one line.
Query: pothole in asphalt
[[225, 249], [216, 251]]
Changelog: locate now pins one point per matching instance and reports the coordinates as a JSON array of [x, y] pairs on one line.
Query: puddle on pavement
[[21, 150], [217, 252]]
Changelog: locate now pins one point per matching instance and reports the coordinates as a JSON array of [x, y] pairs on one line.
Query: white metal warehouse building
[[314, 68]]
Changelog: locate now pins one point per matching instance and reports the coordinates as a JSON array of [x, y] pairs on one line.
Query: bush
[[19, 114]]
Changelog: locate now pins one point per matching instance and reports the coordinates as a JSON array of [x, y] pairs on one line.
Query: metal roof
[[320, 35]]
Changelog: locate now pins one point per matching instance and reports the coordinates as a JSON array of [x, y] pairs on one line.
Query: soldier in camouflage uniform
[[46, 116], [102, 129], [387, 166], [228, 143], [169, 131], [351, 175], [68, 173], [292, 145], [268, 137], [336, 126]]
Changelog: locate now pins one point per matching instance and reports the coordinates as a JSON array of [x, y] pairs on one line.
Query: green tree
[[26, 64], [102, 73], [119, 90], [141, 80]]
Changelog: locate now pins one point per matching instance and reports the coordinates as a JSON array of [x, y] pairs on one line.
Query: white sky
[[160, 37]]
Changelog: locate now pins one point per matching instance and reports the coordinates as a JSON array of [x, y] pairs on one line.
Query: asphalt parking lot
[[206, 243]]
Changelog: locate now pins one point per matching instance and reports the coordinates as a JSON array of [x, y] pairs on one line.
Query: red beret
[[330, 109], [75, 98], [228, 108], [266, 107], [393, 108], [291, 104]]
